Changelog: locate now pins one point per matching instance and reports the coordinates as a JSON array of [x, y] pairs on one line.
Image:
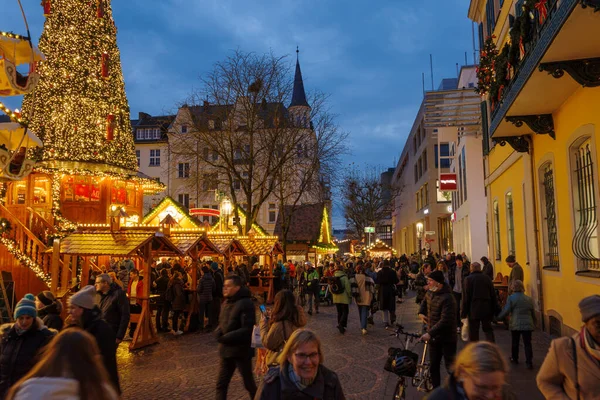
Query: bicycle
[[409, 368]]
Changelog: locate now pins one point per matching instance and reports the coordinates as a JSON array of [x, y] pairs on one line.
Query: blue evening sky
[[368, 55]]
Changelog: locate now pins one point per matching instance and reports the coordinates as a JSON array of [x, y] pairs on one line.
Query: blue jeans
[[363, 311]]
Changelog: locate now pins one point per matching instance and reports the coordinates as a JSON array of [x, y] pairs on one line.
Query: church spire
[[298, 96]]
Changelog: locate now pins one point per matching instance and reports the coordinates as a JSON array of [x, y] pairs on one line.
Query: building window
[[183, 170], [209, 182], [549, 217], [184, 128], [464, 173], [272, 213], [236, 184], [154, 158], [497, 230], [424, 156], [585, 240], [510, 224], [137, 155], [184, 199], [443, 151]]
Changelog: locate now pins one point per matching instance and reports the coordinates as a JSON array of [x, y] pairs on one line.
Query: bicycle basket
[[401, 362]]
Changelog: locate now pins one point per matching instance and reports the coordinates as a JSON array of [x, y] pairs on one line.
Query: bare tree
[[365, 199], [239, 135]]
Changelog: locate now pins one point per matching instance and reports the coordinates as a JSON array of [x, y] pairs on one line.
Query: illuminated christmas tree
[[79, 108]]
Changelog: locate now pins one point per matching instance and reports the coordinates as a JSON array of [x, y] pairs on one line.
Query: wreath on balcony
[[501, 74], [485, 70]]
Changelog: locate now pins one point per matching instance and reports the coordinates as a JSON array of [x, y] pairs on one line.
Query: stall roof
[[185, 242], [259, 246], [228, 244]]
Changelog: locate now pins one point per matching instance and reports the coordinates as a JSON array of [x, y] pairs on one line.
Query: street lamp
[[420, 236], [226, 208]]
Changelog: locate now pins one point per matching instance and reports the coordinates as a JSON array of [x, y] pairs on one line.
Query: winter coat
[[161, 287], [346, 296], [420, 283], [139, 290], [311, 279], [219, 281], [387, 279], [440, 308], [522, 314], [115, 309], [19, 353], [450, 392], [273, 338], [366, 289], [277, 385], [452, 276], [105, 339], [178, 294], [556, 378], [478, 297], [488, 269], [123, 276], [236, 323], [50, 315], [206, 288], [53, 388]]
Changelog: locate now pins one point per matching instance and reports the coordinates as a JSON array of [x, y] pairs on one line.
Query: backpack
[[336, 285], [354, 289]]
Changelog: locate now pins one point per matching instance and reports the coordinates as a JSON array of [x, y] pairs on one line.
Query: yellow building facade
[[541, 152]]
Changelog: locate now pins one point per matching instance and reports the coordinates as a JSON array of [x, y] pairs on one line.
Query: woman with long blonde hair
[[71, 368], [479, 373]]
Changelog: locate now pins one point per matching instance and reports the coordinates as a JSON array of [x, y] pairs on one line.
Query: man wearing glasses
[[114, 305]]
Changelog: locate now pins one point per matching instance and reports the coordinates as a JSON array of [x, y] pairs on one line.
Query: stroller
[[324, 294]]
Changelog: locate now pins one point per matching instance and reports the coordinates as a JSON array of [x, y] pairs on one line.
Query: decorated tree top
[[79, 108]]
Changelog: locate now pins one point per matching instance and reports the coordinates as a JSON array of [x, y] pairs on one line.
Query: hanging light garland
[[24, 259]]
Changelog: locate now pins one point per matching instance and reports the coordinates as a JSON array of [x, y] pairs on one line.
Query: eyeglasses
[[314, 357]]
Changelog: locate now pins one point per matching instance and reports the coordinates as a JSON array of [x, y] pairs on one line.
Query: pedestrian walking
[[516, 272], [278, 324], [479, 304], [234, 335], [114, 304], [387, 279], [206, 288], [438, 312], [134, 291], [456, 275], [421, 282], [342, 297], [522, 322], [215, 305], [488, 268], [480, 373], [313, 288], [366, 290], [69, 370], [301, 373], [84, 313], [21, 343], [49, 309], [571, 369], [175, 295], [162, 306]]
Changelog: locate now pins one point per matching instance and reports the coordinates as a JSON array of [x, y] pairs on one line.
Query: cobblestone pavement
[[186, 367]]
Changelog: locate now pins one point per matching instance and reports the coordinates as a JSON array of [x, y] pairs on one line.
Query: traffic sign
[[369, 229]]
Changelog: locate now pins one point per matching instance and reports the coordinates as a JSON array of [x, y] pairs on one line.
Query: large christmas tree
[[79, 108]]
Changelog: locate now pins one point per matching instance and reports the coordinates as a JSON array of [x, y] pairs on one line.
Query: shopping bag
[[464, 332], [256, 341]]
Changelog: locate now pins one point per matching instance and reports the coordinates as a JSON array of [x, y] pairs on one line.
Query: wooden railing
[[27, 242], [39, 225]]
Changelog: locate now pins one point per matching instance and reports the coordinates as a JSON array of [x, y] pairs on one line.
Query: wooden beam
[[54, 270], [64, 273], [85, 271]]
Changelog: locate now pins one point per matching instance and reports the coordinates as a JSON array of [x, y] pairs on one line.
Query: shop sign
[[448, 182]]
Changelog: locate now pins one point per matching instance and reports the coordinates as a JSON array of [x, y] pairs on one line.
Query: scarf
[[590, 345], [20, 330], [300, 383]]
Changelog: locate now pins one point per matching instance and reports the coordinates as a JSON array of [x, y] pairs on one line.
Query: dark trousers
[[175, 320], [164, 317], [215, 311], [457, 297], [134, 309], [342, 314], [437, 350], [516, 335], [204, 311], [486, 325], [227, 367], [161, 320]]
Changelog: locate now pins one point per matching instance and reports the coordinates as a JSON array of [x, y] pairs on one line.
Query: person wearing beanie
[[86, 314], [559, 378], [438, 312], [479, 304], [21, 342], [49, 309]]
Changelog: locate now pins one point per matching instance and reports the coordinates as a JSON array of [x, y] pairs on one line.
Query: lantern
[[99, 9], [47, 4]]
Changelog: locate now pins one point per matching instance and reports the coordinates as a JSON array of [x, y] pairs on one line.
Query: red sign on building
[[209, 212], [448, 182]]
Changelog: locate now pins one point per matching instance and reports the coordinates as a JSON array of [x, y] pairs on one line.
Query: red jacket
[[138, 291]]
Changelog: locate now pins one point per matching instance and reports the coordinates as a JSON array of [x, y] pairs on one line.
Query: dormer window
[[184, 128]]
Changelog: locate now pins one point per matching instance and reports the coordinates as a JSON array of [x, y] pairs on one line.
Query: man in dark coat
[[387, 279], [438, 312], [488, 268], [234, 335], [114, 304], [516, 272], [215, 305], [479, 303], [86, 314], [206, 289], [456, 278], [421, 282]]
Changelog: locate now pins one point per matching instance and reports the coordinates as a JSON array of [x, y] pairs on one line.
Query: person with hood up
[[114, 304], [342, 300], [85, 314], [234, 335], [438, 312], [69, 370], [49, 309], [21, 343], [206, 288]]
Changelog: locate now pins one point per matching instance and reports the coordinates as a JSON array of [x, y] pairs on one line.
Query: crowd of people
[[456, 297]]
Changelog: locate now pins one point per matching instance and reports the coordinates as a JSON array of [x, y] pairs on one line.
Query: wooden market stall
[[380, 249]]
